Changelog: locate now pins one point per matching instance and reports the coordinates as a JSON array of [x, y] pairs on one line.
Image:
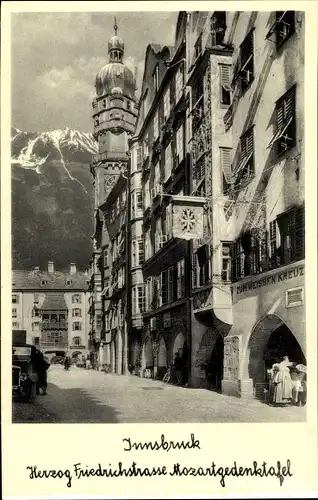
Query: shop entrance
[[214, 369]]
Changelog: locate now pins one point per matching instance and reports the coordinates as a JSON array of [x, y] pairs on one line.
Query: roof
[[54, 302], [42, 280]]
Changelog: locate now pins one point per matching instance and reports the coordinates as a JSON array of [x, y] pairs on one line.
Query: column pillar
[[107, 354], [112, 356], [119, 353]]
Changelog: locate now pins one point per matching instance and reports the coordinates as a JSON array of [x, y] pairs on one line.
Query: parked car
[[24, 376]]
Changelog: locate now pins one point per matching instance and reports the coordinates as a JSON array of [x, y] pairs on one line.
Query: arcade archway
[[178, 344], [270, 341], [161, 358], [148, 354]]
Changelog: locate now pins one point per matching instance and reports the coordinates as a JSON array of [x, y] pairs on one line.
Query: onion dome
[[115, 75]]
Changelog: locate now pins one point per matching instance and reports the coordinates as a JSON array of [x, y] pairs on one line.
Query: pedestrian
[[286, 379], [178, 365], [42, 365]]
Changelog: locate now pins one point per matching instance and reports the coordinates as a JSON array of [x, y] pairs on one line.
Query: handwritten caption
[[78, 471]]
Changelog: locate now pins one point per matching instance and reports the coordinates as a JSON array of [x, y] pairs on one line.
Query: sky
[[56, 56]]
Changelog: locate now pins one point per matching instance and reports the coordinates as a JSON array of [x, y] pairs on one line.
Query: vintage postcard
[[159, 258]]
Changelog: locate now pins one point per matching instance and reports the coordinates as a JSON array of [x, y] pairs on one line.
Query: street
[[88, 396]]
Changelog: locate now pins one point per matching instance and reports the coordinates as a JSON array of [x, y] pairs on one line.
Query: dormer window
[[44, 282], [68, 282]]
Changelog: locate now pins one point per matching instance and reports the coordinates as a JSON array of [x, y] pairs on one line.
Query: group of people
[[287, 384]]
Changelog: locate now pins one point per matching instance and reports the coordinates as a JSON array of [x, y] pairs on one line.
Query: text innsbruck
[[279, 469]]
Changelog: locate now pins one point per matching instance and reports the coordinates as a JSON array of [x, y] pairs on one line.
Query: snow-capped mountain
[[52, 197]]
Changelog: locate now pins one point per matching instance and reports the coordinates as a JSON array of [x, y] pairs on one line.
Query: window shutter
[[225, 76], [139, 159], [226, 163], [194, 271], [299, 234]]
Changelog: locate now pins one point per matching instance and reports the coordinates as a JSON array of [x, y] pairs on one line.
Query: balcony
[[109, 155]]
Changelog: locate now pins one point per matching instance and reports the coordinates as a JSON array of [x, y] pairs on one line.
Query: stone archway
[[162, 360], [271, 339], [135, 352], [178, 344], [148, 353]]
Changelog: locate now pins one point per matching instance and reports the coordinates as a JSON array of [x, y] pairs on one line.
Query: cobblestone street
[[81, 395]]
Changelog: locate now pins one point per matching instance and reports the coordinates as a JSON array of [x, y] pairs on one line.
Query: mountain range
[[52, 198]]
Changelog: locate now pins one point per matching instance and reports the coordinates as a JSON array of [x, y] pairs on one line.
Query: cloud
[[56, 56]]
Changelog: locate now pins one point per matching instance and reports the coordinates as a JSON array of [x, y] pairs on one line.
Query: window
[[15, 299], [137, 204], [35, 312], [179, 82], [77, 340], [283, 27], [168, 162], [218, 27], [36, 340], [179, 144], [134, 253], [170, 284], [158, 235], [245, 71], [15, 325], [14, 313], [156, 126], [44, 282], [225, 94], [138, 157], [245, 169], [199, 171], [285, 135], [77, 325], [76, 298], [35, 325], [68, 282], [292, 235], [149, 294], [164, 287], [36, 298], [226, 262], [146, 195], [140, 252], [138, 299], [166, 103], [148, 245], [155, 78], [180, 279], [76, 313], [128, 105], [204, 265], [226, 168]]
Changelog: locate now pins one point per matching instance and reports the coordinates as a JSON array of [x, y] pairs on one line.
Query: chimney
[[50, 266], [73, 268]]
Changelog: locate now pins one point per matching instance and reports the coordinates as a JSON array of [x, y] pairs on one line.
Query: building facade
[[114, 114], [249, 313], [214, 231], [52, 306]]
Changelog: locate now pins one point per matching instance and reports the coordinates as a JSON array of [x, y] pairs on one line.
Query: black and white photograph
[[158, 217]]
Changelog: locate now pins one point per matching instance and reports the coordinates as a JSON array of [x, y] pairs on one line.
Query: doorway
[[214, 369]]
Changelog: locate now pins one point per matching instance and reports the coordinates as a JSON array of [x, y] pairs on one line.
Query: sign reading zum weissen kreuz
[[273, 279]]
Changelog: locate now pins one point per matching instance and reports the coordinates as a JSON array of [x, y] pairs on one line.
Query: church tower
[[114, 113]]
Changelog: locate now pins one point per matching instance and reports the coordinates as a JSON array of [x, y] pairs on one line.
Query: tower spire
[[115, 26]]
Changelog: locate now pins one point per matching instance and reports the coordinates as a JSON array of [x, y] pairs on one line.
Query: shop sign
[[274, 279]]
